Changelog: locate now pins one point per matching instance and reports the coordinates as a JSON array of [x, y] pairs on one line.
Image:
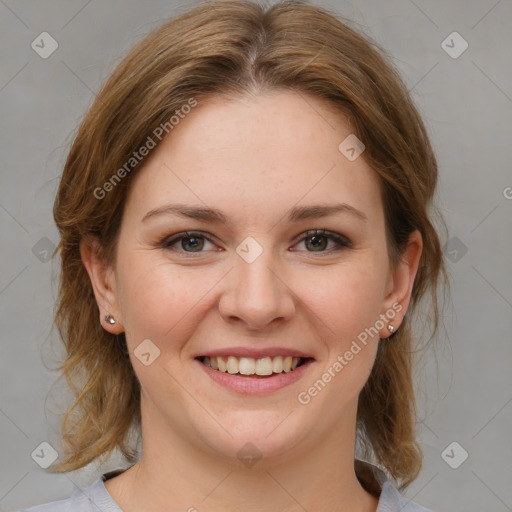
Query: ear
[[400, 284], [102, 278]]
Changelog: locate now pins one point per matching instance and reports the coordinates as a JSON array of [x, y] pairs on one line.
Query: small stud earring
[[110, 320], [391, 328]]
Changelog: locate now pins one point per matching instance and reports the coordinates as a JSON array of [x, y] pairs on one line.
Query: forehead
[[251, 152]]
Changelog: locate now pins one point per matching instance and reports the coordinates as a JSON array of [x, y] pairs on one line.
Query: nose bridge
[[256, 294]]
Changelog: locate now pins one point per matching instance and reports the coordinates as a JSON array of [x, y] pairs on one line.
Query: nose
[[256, 294]]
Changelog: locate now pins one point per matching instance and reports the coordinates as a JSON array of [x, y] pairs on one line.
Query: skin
[[254, 158]]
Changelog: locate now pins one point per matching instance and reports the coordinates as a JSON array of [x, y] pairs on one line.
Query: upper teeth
[[250, 366]]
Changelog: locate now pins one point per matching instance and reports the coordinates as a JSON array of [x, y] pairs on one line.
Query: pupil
[[316, 241], [195, 242]]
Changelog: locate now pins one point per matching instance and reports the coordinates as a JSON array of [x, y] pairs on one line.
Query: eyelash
[[341, 241]]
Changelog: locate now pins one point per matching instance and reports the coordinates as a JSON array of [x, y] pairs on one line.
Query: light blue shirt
[[95, 498]]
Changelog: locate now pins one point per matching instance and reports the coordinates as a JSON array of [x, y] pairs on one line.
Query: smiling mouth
[[249, 367]]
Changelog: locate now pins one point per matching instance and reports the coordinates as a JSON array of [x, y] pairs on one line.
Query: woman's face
[[251, 177]]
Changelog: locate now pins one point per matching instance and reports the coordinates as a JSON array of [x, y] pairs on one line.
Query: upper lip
[[254, 353]]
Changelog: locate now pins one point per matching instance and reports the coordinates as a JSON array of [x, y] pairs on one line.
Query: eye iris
[[197, 242], [317, 241]]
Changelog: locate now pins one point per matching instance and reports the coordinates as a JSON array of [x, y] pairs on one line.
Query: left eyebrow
[[296, 214]]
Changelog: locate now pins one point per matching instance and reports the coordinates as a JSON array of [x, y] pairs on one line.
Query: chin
[[267, 441]]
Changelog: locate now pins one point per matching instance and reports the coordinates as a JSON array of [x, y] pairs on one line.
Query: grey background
[[467, 104]]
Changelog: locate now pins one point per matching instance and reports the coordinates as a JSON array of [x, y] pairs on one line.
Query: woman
[[246, 237]]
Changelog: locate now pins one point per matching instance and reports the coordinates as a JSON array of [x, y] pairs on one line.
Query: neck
[[192, 477]]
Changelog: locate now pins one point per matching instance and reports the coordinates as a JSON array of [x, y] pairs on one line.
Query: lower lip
[[255, 385]]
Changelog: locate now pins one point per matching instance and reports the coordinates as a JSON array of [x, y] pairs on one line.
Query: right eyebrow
[[192, 212]]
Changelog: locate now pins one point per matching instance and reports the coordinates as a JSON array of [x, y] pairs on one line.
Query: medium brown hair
[[233, 48]]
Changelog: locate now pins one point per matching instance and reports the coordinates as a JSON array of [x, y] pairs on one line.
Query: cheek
[[347, 298], [347, 301], [160, 301]]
